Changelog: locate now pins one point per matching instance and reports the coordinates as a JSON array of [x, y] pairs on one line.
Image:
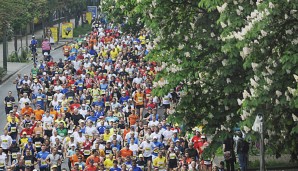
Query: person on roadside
[[229, 155]]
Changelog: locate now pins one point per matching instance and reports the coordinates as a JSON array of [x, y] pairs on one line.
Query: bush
[[16, 57], [81, 30], [2, 73]]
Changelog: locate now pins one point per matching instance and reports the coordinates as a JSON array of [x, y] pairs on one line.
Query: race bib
[[66, 51], [70, 98], [80, 84], [13, 129], [88, 101], [166, 98], [86, 152], [9, 104], [140, 99], [37, 144], [161, 163], [39, 98], [172, 155], [43, 163], [207, 162], [5, 141], [28, 162], [107, 103], [148, 95], [108, 151], [1, 164], [14, 155], [80, 167], [147, 148], [50, 98]]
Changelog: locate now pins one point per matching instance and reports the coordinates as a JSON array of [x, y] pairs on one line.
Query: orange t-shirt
[[133, 119], [94, 158], [139, 98], [26, 111], [36, 129], [74, 159], [125, 131], [126, 152], [54, 113], [38, 114]]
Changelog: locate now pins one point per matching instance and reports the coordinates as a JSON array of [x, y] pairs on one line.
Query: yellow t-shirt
[[160, 162], [142, 39], [106, 137], [108, 163], [8, 118], [114, 55], [104, 53]]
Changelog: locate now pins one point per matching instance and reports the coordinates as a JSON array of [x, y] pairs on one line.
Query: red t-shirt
[[197, 142]]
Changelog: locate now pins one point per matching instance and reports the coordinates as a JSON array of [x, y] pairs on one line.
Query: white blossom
[[186, 38], [187, 54], [291, 90], [228, 118], [271, 5], [256, 78], [289, 32], [278, 93], [246, 129], [295, 118], [277, 102], [263, 33], [204, 30], [139, 1], [245, 52], [151, 15], [224, 62], [204, 122], [199, 47], [212, 34], [268, 81], [221, 9], [222, 127], [238, 12], [228, 80], [240, 8], [254, 66], [223, 25], [239, 102], [181, 46], [253, 83], [245, 94], [266, 87], [192, 25], [296, 77], [122, 7], [179, 61], [286, 16]]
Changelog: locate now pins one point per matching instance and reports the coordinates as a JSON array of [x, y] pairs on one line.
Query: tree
[[235, 59]]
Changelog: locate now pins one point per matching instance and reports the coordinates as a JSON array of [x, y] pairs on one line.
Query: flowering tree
[[234, 58]]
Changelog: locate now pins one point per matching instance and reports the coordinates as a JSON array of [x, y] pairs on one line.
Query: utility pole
[[5, 48]]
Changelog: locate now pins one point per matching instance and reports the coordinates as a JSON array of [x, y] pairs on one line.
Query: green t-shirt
[[62, 132]]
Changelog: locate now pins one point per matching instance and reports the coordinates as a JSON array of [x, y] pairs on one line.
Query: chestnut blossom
[[222, 8]]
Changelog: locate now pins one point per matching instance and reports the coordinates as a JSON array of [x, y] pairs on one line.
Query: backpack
[[243, 146]]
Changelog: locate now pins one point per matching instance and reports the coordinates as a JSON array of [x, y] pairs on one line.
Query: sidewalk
[[14, 67]]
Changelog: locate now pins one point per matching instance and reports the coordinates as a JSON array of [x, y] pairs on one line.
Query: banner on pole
[[89, 17], [54, 31], [67, 30], [93, 10]]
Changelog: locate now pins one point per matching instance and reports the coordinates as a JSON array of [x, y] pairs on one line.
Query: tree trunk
[[21, 34]]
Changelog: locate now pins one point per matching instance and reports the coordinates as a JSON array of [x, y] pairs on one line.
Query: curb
[[8, 76]]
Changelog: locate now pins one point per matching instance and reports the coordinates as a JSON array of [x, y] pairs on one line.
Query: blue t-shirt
[[42, 155], [115, 169]]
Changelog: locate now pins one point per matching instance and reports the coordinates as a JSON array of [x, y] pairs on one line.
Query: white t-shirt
[[90, 130], [47, 120], [166, 99], [3, 156], [6, 141], [134, 148], [153, 123], [167, 135], [22, 102], [148, 148]]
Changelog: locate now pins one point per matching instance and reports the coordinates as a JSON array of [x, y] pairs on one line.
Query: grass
[[81, 30]]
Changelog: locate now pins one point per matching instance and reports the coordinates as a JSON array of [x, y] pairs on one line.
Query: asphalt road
[[9, 86]]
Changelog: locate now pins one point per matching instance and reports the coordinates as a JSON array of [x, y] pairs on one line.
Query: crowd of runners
[[93, 110]]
